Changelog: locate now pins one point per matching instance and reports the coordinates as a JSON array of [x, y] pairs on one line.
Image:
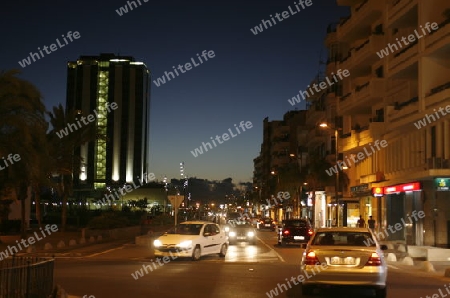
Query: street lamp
[[336, 186]]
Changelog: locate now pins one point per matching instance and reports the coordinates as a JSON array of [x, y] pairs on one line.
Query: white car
[[344, 256], [192, 239]]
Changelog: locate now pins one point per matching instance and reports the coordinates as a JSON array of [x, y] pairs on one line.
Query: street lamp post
[[336, 182]]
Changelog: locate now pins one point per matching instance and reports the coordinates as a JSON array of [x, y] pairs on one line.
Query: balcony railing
[[438, 163], [439, 88], [406, 48]]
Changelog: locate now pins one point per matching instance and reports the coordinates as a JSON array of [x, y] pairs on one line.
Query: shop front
[[402, 204], [363, 204]]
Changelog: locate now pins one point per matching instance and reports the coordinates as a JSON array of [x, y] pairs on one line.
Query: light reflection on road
[[244, 252]]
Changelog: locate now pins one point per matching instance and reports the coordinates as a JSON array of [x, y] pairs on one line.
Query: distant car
[[242, 232], [342, 256], [266, 224], [192, 239], [294, 231]]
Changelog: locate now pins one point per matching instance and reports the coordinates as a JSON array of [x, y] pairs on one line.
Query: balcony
[[438, 94], [438, 163], [363, 15], [316, 136], [398, 9], [401, 112], [315, 114], [439, 38], [356, 140], [404, 57], [363, 54], [362, 97]]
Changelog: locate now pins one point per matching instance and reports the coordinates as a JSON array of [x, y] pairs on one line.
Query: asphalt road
[[247, 271]]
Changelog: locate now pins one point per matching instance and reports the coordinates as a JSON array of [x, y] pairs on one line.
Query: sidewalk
[[433, 268]]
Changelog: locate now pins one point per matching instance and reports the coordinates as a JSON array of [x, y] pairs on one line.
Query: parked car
[[342, 256], [266, 224], [192, 239], [294, 231], [242, 232]]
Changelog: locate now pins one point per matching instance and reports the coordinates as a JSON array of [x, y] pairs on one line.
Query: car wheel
[[283, 243], [307, 290], [223, 250], [197, 253], [380, 293]]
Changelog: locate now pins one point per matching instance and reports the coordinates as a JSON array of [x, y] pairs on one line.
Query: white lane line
[[278, 255], [104, 252], [392, 266]]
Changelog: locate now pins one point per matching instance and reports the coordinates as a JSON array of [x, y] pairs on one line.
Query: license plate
[[267, 225], [241, 237], [299, 238], [342, 261]]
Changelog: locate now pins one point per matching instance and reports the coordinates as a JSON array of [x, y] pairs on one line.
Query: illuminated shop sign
[[442, 184], [402, 187], [377, 191], [380, 191]]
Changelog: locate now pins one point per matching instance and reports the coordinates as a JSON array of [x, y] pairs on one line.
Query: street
[[247, 271]]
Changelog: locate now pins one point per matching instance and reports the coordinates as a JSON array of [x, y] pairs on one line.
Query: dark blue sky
[[250, 78]]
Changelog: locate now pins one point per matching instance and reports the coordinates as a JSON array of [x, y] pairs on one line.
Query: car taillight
[[374, 260], [311, 258], [286, 232], [310, 232]]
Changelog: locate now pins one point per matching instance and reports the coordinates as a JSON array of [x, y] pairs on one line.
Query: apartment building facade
[[397, 55], [278, 156]]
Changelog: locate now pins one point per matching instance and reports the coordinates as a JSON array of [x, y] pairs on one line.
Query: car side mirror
[[206, 234], [383, 247]]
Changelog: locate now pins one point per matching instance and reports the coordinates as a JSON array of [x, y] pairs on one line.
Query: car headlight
[[250, 234], [227, 229], [232, 234], [157, 243], [185, 244]]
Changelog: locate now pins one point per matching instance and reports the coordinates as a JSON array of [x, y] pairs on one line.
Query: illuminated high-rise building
[[116, 91]]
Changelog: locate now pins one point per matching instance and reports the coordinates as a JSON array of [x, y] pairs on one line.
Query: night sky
[[250, 77]]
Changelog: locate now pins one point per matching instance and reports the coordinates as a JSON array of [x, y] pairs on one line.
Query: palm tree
[[65, 162], [22, 131]]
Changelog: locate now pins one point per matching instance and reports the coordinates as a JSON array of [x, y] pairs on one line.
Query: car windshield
[[343, 239], [295, 223], [186, 229]]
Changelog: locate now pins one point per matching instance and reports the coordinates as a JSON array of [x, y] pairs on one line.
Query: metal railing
[[26, 277]]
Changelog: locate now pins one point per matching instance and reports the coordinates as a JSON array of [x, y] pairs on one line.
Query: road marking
[[392, 266], [278, 255], [104, 252]]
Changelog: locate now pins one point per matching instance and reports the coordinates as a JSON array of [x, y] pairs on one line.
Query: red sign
[[402, 188], [380, 191]]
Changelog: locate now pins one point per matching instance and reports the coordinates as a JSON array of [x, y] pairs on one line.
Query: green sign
[[442, 184]]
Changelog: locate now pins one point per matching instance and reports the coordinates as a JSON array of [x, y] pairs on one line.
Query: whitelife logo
[[320, 87], [187, 66], [285, 14], [10, 158], [90, 118], [360, 155], [124, 9], [411, 38], [33, 56], [225, 137], [398, 227], [422, 123], [11, 250]]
